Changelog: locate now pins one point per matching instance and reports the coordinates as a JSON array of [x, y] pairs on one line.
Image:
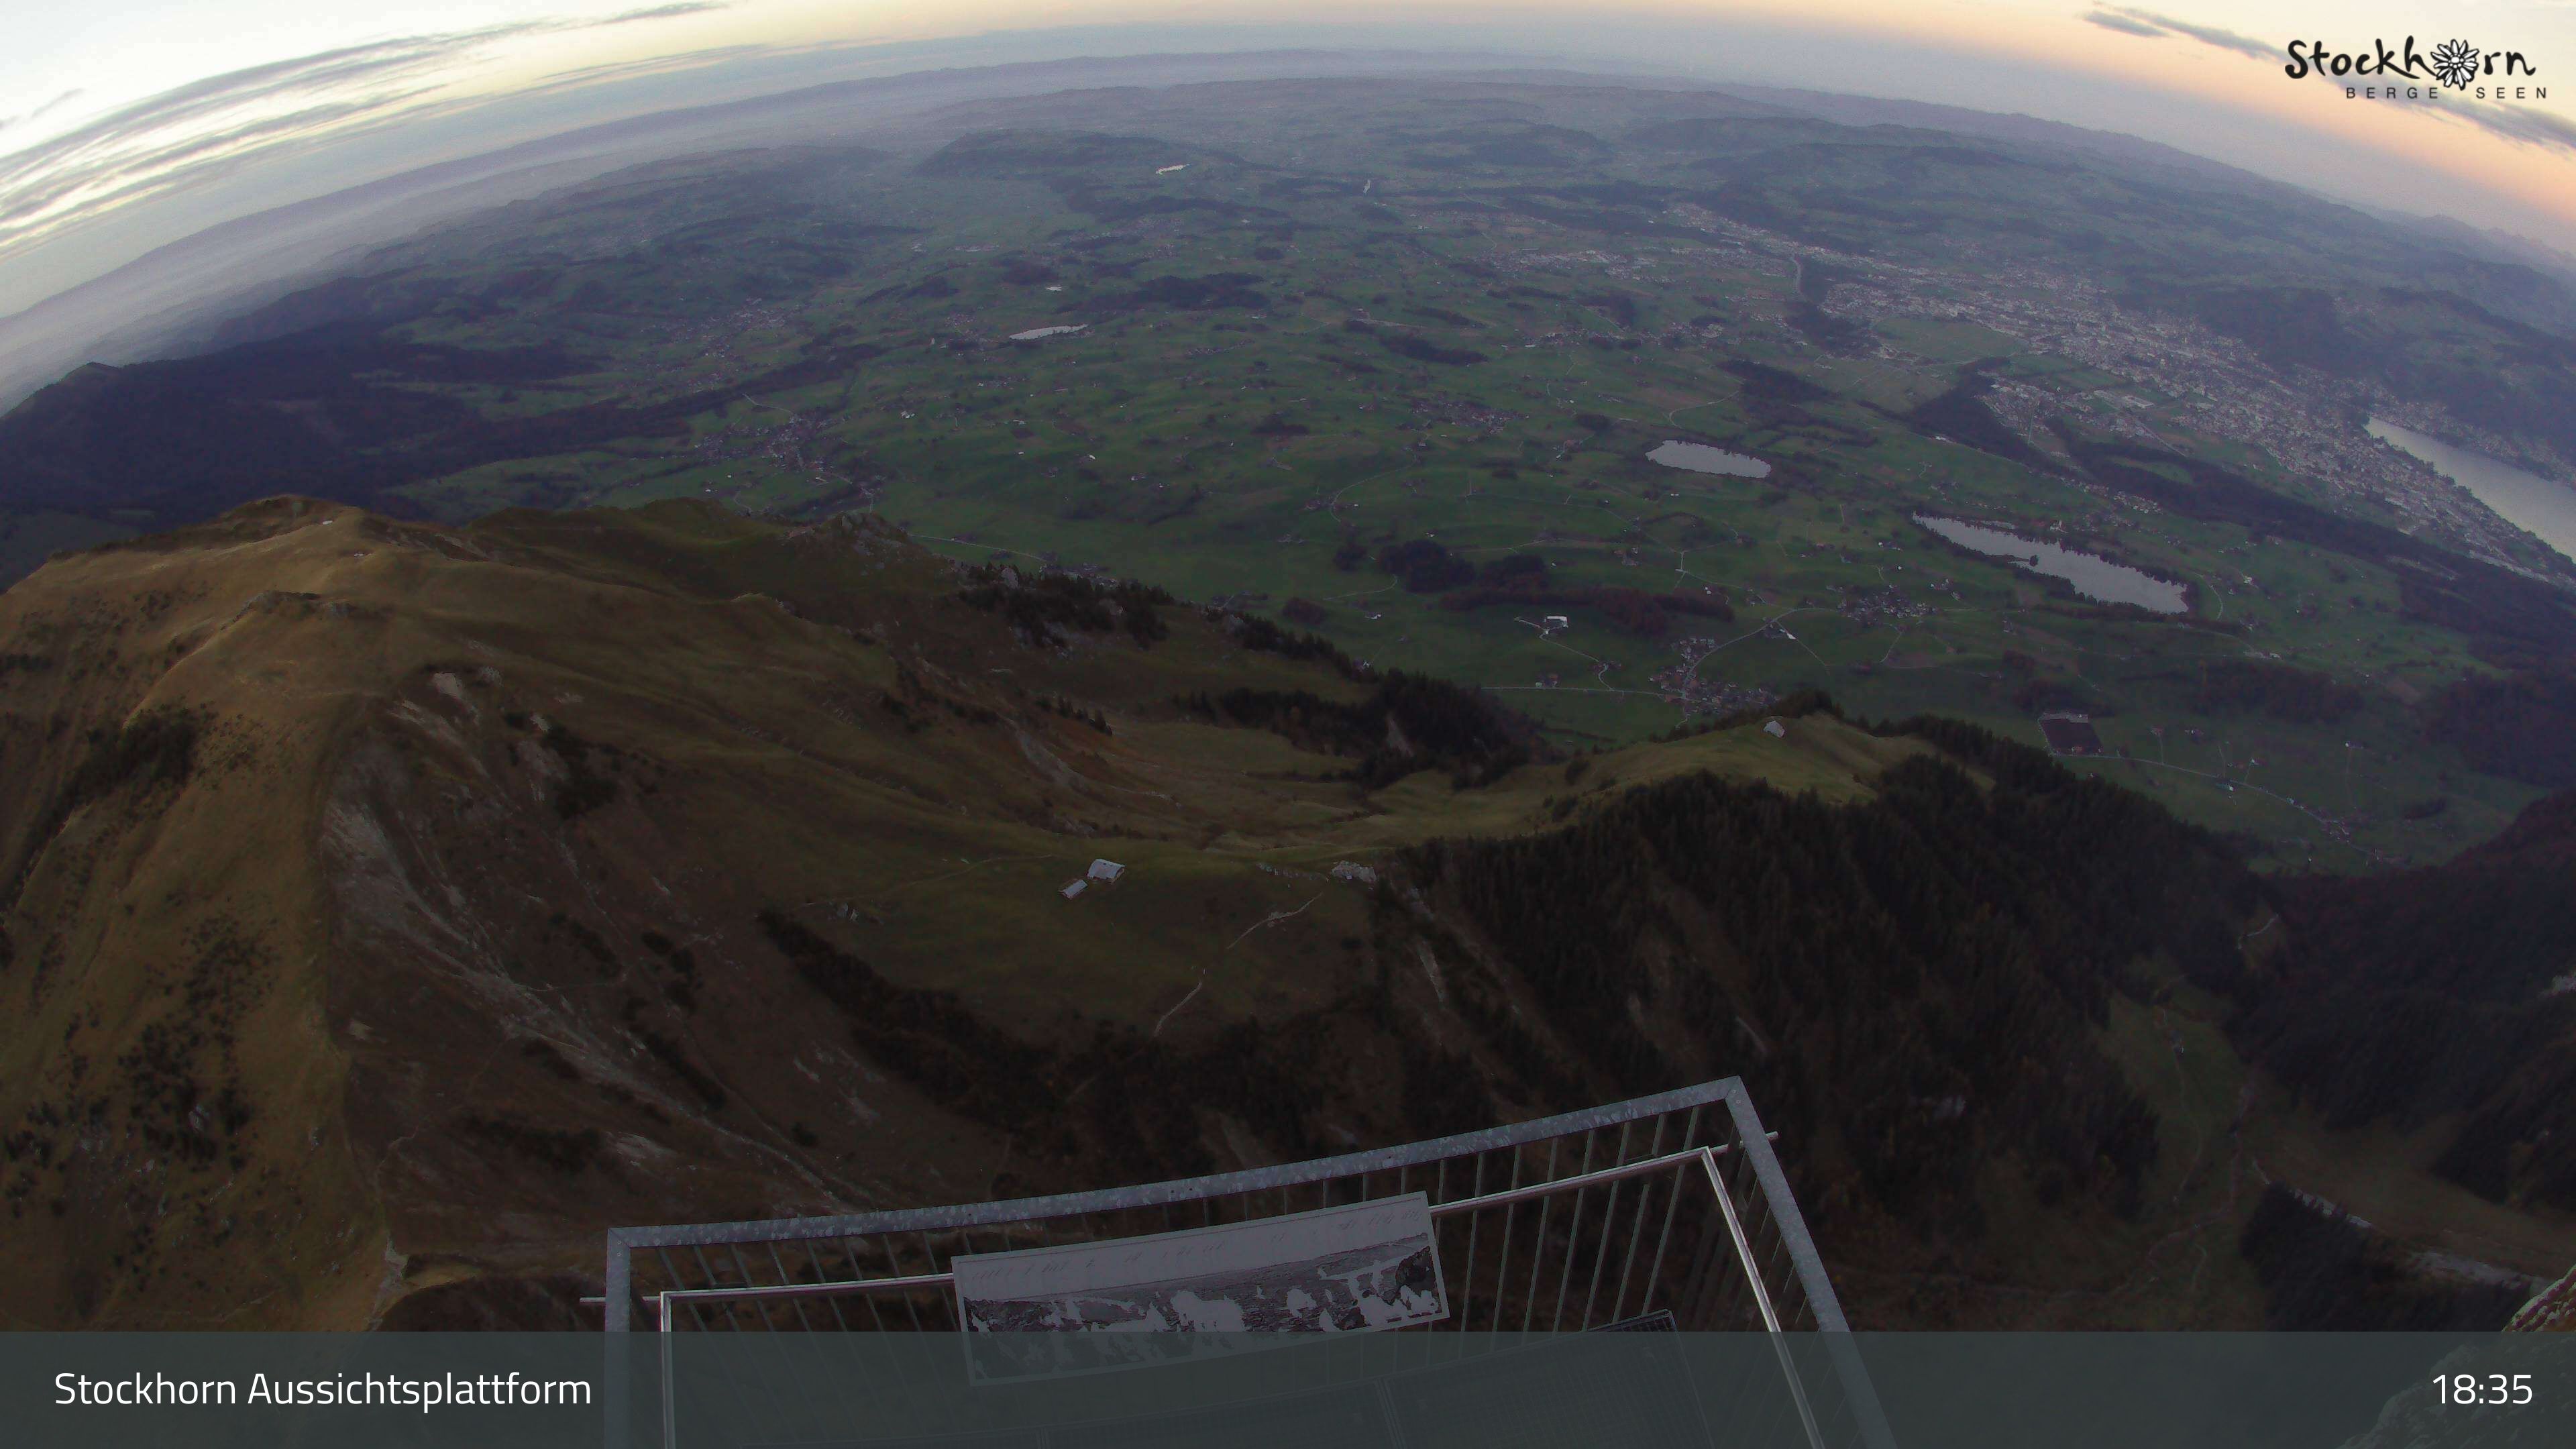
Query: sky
[[125, 124]]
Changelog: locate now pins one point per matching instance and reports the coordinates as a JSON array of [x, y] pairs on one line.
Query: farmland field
[[1396, 356]]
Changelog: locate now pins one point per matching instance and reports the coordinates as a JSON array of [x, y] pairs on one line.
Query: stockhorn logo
[[2455, 64], [2469, 71]]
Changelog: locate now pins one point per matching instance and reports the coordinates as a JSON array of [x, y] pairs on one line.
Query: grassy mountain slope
[[386, 908], [385, 903]]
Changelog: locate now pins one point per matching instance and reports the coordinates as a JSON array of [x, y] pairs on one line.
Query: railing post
[[1822, 1305], [616, 1314]]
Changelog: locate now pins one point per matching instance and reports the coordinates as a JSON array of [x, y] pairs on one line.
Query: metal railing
[[1673, 1203]]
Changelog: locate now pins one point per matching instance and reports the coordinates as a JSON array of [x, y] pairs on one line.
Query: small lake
[[1701, 458], [2094, 577], [2528, 501], [1034, 333]]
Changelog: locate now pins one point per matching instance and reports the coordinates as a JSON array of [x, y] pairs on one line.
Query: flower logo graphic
[[2455, 63]]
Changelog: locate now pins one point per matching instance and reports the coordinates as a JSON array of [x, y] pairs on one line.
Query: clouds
[[160, 142], [39, 112], [662, 12], [651, 65], [2113, 20], [209, 127], [2129, 20], [2523, 125]]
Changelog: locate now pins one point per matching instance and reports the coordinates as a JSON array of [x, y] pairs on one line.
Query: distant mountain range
[[160, 304]]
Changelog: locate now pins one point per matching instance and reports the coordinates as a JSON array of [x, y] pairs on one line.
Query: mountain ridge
[[393, 907]]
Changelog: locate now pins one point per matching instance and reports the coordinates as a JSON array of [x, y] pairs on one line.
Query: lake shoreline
[[2541, 507], [2091, 576], [1705, 458]]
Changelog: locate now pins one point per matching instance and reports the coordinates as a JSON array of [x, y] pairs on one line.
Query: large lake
[[2526, 500], [2094, 577], [1701, 458]]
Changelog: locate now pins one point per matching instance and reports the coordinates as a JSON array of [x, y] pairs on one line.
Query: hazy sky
[[128, 123]]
